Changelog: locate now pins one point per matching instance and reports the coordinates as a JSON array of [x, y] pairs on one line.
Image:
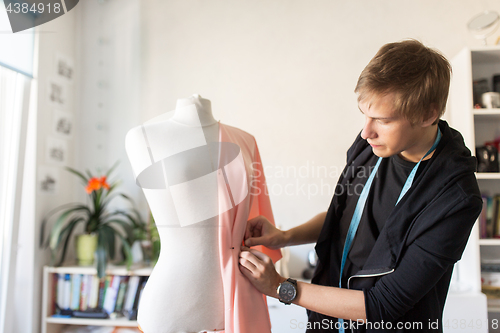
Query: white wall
[[285, 72], [109, 40], [55, 37]]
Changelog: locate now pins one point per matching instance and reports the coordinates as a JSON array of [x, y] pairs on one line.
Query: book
[[94, 292], [483, 221], [66, 303], [121, 293], [84, 292], [60, 290], [55, 290], [91, 313], [103, 286], [76, 281], [133, 285], [111, 294], [489, 217], [496, 217], [132, 314], [144, 280]]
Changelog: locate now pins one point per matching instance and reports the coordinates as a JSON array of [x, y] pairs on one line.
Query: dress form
[[171, 156]]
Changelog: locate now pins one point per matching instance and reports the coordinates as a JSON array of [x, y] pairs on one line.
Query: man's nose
[[368, 131]]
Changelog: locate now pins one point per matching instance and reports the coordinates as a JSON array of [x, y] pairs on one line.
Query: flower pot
[[86, 245], [147, 251], [136, 252]]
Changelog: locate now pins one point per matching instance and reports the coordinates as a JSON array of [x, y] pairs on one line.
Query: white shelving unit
[[55, 325], [492, 242], [477, 126]]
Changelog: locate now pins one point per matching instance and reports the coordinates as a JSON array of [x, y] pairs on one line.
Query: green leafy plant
[[96, 217], [154, 237], [147, 234]]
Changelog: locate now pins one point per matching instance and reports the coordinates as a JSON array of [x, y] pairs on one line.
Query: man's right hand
[[260, 231]]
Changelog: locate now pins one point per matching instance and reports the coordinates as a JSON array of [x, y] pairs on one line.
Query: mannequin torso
[[173, 159]]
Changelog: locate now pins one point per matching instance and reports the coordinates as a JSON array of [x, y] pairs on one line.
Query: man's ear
[[433, 115]]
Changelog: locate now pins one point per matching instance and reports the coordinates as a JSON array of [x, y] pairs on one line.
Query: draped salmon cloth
[[243, 178], [241, 195]]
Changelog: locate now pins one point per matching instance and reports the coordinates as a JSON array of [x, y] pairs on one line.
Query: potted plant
[[150, 242], [101, 225], [144, 238]]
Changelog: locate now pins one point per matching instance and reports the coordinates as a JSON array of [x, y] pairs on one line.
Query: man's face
[[387, 132]]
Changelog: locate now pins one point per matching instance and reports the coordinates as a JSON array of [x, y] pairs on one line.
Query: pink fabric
[[245, 307]]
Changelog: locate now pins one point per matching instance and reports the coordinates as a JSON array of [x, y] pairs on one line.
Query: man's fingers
[[247, 258], [247, 263], [248, 230], [255, 241], [245, 271], [255, 220], [252, 226], [263, 257], [256, 257], [247, 267]]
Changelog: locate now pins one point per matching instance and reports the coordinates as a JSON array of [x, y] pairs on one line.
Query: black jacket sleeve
[[423, 264]]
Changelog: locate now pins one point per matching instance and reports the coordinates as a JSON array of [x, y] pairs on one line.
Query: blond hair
[[418, 76]]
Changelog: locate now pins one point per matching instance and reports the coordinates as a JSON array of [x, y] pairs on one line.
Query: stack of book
[[84, 295], [489, 219]]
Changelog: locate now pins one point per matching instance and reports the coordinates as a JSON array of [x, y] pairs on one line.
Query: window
[[14, 104], [16, 50], [16, 67]]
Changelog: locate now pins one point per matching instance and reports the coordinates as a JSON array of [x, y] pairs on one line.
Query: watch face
[[287, 291]]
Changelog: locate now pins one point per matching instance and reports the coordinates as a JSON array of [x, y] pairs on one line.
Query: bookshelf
[[477, 125], [491, 242], [55, 325], [488, 176]]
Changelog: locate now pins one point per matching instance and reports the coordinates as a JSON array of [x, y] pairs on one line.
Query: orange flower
[[93, 185], [104, 183]]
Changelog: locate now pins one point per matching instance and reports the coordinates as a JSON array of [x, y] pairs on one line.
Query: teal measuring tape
[[360, 206]]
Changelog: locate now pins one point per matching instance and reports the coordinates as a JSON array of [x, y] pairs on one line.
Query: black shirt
[[384, 193]]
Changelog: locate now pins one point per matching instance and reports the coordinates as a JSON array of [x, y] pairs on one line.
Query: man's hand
[[259, 269], [260, 231]]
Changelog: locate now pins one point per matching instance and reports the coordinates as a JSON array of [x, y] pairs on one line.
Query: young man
[[408, 226]]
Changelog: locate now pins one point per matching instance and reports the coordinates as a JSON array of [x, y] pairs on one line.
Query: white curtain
[[14, 106], [16, 50]]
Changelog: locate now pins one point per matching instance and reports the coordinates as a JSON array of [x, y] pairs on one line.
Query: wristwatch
[[287, 291]]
